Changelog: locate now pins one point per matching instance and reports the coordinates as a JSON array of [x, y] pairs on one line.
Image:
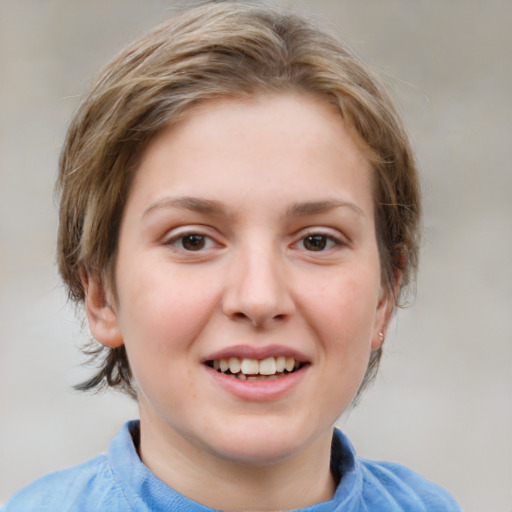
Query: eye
[[193, 242], [319, 242]]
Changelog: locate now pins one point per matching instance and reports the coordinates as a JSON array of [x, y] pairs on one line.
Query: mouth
[[270, 368]]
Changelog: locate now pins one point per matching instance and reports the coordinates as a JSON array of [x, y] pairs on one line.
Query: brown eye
[[319, 242], [193, 242]]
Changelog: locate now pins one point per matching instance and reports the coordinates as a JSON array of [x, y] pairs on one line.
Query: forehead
[[290, 145]]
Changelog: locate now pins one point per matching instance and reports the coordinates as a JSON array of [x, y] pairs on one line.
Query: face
[[248, 289]]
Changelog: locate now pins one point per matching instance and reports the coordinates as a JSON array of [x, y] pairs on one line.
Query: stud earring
[[381, 336]]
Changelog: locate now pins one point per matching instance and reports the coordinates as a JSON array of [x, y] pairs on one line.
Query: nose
[[257, 290]]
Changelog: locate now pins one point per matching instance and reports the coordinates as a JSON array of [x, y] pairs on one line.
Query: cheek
[[161, 315], [348, 301], [343, 312]]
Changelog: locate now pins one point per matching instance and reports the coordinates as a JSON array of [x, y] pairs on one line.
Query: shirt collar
[[145, 492]]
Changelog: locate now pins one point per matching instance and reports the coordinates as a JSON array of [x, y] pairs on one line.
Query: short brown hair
[[217, 50]]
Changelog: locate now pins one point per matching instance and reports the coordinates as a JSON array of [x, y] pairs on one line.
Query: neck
[[300, 481]]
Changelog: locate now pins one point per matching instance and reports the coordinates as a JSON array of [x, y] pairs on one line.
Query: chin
[[260, 454], [262, 445]]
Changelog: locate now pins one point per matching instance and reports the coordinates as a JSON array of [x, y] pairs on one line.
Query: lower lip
[[258, 390]]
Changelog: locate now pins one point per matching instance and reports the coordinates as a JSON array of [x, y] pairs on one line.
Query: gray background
[[442, 404]]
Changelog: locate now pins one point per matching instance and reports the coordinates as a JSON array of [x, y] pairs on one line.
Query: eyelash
[[178, 241], [324, 238], [204, 242]]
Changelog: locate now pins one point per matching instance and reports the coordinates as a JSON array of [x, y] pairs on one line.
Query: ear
[[385, 310], [102, 317]]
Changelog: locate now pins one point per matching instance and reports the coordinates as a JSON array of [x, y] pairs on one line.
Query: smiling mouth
[[271, 368]]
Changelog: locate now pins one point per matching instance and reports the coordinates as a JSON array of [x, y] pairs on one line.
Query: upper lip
[[252, 352]]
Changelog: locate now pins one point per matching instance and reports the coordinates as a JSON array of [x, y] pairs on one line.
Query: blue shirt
[[119, 482]]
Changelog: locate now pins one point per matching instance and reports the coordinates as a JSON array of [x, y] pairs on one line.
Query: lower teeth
[[258, 377], [242, 376]]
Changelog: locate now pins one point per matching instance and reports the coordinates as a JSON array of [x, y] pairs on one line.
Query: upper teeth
[[268, 366]]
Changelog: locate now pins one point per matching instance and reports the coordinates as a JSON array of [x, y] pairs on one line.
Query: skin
[[252, 180]]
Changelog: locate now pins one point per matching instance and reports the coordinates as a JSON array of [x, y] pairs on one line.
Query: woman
[[239, 217]]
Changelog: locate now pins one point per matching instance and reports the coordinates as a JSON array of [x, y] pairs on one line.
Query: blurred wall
[[443, 402]]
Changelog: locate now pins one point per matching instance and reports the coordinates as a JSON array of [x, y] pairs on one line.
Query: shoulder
[[387, 481], [90, 486], [383, 486]]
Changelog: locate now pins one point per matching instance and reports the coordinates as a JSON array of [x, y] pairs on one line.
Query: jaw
[[242, 467]]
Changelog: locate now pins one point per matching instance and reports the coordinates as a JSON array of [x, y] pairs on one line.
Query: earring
[[381, 336]]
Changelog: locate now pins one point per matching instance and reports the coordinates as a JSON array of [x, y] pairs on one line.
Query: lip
[[247, 351], [258, 391]]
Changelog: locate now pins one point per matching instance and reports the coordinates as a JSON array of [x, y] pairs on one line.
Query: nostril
[[256, 321]]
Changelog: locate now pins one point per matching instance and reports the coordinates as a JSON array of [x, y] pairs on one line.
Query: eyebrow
[[212, 207], [194, 204], [313, 207]]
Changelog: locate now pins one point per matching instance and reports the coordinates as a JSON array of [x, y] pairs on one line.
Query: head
[[215, 52]]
